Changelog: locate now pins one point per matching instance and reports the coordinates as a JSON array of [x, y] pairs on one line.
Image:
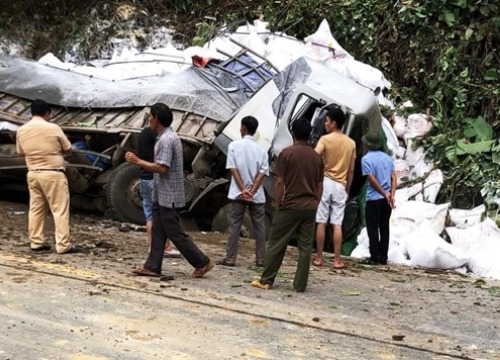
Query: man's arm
[[153, 167], [279, 189], [319, 191], [394, 184], [257, 183], [245, 193], [19, 148], [387, 195], [350, 173]]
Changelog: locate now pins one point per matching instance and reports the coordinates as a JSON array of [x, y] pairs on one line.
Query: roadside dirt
[[441, 313]]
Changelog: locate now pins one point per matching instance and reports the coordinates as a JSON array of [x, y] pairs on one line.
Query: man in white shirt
[[248, 163]]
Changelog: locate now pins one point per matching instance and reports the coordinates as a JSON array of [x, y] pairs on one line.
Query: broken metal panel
[[193, 90]]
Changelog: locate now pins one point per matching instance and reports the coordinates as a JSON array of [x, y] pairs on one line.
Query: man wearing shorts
[[145, 150], [339, 153]]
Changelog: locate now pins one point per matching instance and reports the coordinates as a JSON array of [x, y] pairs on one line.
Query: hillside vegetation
[[441, 54]]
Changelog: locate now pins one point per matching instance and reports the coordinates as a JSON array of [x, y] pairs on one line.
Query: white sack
[[482, 243], [413, 156], [400, 126], [416, 212], [425, 248], [402, 170], [418, 125], [466, 218], [363, 249]]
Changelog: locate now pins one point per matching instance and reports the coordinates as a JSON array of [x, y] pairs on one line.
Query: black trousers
[[378, 213], [167, 224]]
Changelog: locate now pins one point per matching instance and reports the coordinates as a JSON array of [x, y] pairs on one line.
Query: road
[[89, 306]]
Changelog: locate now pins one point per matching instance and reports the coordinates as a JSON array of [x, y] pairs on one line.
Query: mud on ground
[[441, 314]]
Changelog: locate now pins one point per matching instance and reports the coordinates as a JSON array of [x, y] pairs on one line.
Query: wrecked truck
[[103, 119]]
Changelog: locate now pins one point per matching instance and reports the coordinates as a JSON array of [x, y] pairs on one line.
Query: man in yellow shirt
[[339, 153], [43, 144]]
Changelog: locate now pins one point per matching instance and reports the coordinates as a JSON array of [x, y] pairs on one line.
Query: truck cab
[[306, 89]]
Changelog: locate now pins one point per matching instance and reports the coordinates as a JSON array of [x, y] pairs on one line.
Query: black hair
[[336, 114], [163, 113], [250, 123], [39, 108], [301, 129]]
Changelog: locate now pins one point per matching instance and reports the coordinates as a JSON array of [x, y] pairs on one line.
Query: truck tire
[[123, 195]]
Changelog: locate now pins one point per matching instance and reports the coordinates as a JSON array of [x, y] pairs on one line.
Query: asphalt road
[[49, 316]]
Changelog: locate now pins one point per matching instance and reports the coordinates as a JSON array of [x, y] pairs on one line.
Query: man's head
[[161, 116], [335, 119], [40, 108], [301, 129], [372, 141], [249, 126]]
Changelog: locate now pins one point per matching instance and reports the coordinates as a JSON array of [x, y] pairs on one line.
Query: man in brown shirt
[[297, 190], [43, 144], [339, 153]]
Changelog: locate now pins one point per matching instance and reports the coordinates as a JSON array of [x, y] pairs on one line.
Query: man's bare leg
[[337, 246], [320, 244], [149, 229]]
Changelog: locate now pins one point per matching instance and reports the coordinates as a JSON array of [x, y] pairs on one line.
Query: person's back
[[297, 190], [337, 150], [303, 167], [339, 154], [42, 144], [381, 166], [249, 158], [248, 164]]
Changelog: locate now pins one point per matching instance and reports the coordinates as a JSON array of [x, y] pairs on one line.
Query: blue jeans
[[146, 189]]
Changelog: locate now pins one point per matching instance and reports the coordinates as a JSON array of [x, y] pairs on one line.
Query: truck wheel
[[123, 194]]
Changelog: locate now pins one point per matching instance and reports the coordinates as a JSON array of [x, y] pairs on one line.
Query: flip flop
[[317, 262], [198, 273], [339, 267], [256, 283], [145, 272]]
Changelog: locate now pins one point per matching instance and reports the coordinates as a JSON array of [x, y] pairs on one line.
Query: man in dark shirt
[[297, 191], [168, 196], [146, 151]]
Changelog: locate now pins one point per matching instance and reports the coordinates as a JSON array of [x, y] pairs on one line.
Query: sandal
[[256, 283], [145, 272], [198, 273]]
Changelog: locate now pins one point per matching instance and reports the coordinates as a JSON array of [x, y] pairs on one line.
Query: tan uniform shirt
[[337, 150], [42, 143]]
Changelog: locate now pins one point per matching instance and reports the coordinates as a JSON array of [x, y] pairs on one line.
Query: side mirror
[[318, 125]]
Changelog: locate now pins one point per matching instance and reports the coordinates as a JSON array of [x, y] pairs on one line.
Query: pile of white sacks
[[417, 223]]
